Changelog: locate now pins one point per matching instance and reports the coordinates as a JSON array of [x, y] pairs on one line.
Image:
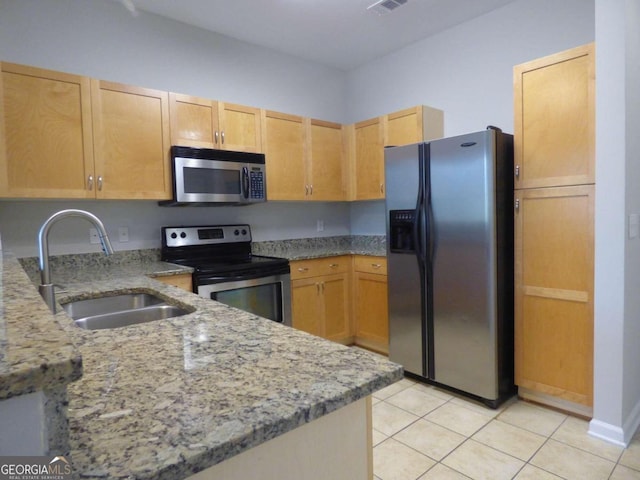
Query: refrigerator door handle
[[431, 229], [417, 224]]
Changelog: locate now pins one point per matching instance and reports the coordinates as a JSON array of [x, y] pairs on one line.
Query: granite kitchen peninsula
[[218, 393]]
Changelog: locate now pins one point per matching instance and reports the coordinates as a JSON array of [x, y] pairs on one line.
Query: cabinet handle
[[222, 136], [90, 182], [306, 189], [310, 189], [215, 137], [376, 265], [100, 182], [303, 269], [517, 205], [382, 188], [334, 265], [517, 171]]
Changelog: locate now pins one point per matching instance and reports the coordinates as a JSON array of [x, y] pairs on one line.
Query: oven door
[[268, 297]]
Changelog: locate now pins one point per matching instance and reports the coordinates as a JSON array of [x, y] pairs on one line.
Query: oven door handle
[[217, 280], [205, 287]]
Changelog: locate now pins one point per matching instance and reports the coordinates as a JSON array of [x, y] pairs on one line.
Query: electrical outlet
[[93, 236], [320, 225], [123, 234]]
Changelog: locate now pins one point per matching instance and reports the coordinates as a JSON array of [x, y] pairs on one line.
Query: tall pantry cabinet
[[554, 196]]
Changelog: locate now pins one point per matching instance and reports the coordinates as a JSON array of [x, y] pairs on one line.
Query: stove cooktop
[[216, 249]]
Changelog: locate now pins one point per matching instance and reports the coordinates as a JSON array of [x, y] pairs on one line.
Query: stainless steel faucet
[[46, 287]]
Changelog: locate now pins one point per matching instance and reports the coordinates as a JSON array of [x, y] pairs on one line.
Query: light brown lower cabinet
[[320, 297], [183, 280], [370, 308], [343, 299], [554, 295]]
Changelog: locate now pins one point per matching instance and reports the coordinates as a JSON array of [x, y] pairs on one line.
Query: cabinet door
[[284, 147], [337, 324], [183, 281], [327, 179], [554, 292], [555, 119], [306, 307], [131, 129], [413, 125], [369, 160], [371, 311], [46, 141], [194, 121], [240, 128]]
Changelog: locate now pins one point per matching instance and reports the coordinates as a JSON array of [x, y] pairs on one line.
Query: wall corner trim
[[617, 435]]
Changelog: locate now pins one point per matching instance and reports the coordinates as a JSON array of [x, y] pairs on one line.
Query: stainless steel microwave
[[204, 176]]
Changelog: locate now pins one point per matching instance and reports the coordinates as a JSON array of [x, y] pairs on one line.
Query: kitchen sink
[[116, 311]]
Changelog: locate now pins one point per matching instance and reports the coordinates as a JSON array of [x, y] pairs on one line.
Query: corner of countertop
[[35, 351]]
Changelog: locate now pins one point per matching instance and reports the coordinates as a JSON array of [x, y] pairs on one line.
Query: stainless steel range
[[226, 271]]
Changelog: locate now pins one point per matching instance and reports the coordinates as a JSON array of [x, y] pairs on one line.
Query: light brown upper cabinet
[[284, 147], [204, 123], [326, 165], [369, 137], [131, 135], [413, 125], [68, 136], [554, 100], [46, 142], [368, 165], [194, 121], [305, 158]]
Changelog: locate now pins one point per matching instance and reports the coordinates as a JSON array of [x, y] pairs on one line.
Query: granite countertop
[[169, 398], [306, 248], [34, 353]]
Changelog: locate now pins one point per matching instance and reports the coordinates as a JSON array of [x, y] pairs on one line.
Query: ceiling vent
[[386, 6]]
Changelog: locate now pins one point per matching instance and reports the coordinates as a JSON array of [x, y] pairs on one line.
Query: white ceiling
[[338, 33]]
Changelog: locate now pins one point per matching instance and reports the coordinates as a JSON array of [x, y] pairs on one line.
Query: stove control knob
[[174, 235], [183, 235], [236, 232], [244, 232]]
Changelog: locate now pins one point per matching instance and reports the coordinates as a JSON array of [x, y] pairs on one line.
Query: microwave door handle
[[245, 182]]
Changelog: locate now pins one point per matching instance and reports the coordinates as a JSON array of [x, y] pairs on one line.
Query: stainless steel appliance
[[226, 271], [203, 176], [450, 262]]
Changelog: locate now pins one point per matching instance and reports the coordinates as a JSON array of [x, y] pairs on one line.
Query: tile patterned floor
[[424, 433]]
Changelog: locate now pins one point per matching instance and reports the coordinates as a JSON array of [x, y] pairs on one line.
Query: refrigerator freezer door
[[463, 226], [404, 271]]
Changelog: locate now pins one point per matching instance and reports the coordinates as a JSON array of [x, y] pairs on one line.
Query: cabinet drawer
[[319, 266], [367, 264]]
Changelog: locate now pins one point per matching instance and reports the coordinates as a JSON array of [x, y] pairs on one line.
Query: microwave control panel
[[256, 180]]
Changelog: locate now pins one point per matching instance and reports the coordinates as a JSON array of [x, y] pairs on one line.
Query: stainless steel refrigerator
[[449, 208]]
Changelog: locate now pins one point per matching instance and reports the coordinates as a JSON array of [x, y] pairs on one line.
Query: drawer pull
[[376, 265], [334, 265], [303, 269]]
